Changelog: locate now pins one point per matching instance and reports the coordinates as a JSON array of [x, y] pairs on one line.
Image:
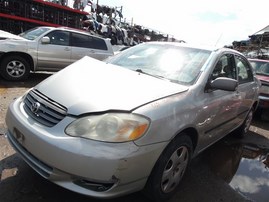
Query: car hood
[[6, 35], [263, 78], [90, 85]]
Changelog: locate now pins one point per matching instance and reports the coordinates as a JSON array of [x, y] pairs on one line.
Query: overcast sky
[[208, 22]]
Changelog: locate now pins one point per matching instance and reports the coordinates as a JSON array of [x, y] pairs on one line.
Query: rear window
[[244, 70]]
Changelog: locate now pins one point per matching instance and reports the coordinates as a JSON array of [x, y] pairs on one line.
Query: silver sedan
[[134, 121]]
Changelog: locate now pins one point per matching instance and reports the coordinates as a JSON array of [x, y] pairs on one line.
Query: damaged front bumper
[[97, 169]]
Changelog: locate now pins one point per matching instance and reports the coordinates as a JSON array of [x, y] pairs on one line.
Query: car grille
[[42, 109]]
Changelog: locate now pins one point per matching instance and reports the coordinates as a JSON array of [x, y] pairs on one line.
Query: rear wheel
[[258, 113], [15, 68], [169, 169]]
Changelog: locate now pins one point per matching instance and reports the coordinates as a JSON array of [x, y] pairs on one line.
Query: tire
[[14, 68], [242, 131], [169, 169], [258, 113]]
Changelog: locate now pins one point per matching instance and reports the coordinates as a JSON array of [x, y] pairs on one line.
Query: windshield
[[260, 67], [32, 34], [167, 61]]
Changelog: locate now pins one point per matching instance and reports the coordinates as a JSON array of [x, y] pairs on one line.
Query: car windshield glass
[[171, 62], [32, 34], [260, 67]]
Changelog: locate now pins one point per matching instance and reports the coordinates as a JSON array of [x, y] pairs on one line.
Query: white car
[[7, 35], [48, 49]]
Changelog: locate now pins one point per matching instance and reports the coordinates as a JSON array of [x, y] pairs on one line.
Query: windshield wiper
[[156, 76], [140, 71]]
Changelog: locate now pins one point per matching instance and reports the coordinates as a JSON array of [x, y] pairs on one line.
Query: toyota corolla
[[132, 122]]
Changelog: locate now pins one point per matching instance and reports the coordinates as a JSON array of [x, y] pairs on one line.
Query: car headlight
[[110, 127]]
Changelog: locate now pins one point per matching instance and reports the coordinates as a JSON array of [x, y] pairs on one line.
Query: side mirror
[[45, 40], [223, 83]]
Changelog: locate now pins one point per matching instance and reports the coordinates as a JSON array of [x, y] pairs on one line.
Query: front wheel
[[14, 68], [169, 169]]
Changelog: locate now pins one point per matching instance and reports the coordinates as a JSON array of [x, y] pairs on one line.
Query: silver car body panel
[[78, 53], [47, 59]]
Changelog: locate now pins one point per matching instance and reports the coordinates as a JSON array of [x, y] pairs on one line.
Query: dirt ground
[[18, 182]]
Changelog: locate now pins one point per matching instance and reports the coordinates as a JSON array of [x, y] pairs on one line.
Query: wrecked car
[[134, 121]]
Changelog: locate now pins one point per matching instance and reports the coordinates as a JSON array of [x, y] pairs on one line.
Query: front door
[[219, 115], [55, 55]]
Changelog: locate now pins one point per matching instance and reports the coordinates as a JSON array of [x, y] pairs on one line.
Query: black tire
[[258, 113], [14, 68], [242, 131], [169, 169]]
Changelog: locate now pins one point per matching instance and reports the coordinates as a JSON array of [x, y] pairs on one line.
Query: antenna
[[218, 39]]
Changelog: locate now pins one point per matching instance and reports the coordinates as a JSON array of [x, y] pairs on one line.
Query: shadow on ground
[[33, 79]]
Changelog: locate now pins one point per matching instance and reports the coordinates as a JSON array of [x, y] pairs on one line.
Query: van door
[[56, 54]]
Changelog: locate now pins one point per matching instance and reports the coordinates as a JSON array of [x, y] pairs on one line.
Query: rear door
[[55, 55], [86, 45]]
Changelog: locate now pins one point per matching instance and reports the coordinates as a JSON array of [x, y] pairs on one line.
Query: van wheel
[[169, 169], [242, 131], [15, 68]]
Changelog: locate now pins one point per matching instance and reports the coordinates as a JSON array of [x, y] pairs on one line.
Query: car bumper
[[93, 168]]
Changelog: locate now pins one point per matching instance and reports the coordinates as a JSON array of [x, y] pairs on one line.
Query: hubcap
[[15, 68], [175, 169]]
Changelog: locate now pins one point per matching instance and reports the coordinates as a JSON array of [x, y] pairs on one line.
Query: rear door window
[[244, 70], [79, 40], [85, 41]]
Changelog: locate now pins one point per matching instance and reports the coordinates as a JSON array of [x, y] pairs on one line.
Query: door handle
[[67, 49]]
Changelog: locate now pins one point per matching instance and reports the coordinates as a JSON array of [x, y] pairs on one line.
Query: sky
[[205, 22]]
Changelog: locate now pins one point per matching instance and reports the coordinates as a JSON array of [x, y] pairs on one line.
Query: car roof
[[182, 45], [198, 46], [73, 30]]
